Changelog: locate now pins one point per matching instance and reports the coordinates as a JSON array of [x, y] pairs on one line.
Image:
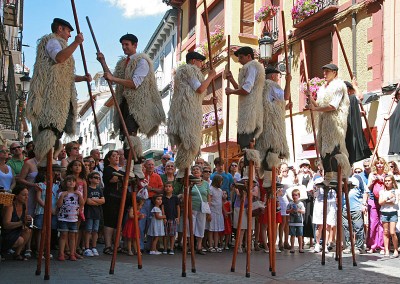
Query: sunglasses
[[358, 172], [16, 147], [165, 159], [75, 148], [97, 177], [91, 161], [4, 151], [206, 171], [233, 165]]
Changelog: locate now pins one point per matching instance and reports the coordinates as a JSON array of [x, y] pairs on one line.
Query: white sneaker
[[88, 252], [155, 252], [95, 252], [317, 248]]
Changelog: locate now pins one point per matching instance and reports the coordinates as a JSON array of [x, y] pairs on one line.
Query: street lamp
[[26, 83], [28, 137], [266, 44]]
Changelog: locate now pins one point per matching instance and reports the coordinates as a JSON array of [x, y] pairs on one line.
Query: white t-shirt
[[53, 47], [141, 71], [388, 194], [69, 210]]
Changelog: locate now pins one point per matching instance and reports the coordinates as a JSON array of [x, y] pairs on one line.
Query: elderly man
[[272, 143], [154, 186], [137, 96], [17, 160], [332, 106], [95, 154], [52, 101], [161, 168]]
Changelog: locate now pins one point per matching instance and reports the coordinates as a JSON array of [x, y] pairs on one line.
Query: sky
[[110, 19]]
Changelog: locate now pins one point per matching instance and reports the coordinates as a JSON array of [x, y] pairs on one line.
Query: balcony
[[15, 44], [303, 14]]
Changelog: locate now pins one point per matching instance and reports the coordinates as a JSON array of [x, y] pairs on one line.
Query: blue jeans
[[145, 223]]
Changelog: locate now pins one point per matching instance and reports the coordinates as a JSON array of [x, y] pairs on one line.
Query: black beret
[[270, 70], [331, 66], [194, 55], [132, 38], [349, 85], [245, 50], [63, 23]]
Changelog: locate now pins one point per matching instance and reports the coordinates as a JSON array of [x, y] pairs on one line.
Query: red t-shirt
[[155, 181]]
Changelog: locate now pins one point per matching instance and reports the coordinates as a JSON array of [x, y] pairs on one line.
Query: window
[[247, 17], [216, 16]]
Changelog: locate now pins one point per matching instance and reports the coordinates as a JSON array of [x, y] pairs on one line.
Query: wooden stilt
[[249, 213], [269, 229], [185, 220], [121, 210], [350, 226], [136, 219], [324, 214], [339, 220], [191, 233], [238, 232], [45, 241], [273, 222]]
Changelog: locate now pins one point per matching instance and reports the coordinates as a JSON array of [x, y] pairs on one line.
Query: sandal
[[108, 250], [200, 252], [19, 257], [219, 250], [301, 251], [130, 253], [292, 251], [28, 253], [211, 249], [396, 254]]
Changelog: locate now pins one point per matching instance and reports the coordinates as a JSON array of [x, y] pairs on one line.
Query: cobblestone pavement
[[214, 268]]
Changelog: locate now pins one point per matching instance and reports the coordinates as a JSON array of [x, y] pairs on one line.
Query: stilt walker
[[51, 106], [128, 162], [249, 212], [332, 105]]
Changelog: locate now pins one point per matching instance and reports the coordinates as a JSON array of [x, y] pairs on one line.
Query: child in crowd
[[171, 209], [227, 211], [156, 228], [78, 170], [40, 180], [93, 213], [129, 231], [296, 209], [69, 201], [216, 225], [389, 201]]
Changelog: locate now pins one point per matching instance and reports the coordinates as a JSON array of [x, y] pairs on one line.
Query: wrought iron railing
[[303, 9]]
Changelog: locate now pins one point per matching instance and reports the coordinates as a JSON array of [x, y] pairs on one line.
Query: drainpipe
[[354, 39]]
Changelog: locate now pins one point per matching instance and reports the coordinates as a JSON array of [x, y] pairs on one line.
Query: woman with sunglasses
[[7, 181], [394, 170]]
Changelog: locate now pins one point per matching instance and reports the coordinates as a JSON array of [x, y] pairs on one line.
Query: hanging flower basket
[[315, 84], [265, 13]]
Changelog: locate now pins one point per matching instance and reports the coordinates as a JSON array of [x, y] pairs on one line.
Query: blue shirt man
[[227, 177]]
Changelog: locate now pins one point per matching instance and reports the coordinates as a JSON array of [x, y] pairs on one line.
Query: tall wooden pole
[[288, 72], [86, 72], [211, 67], [352, 76], [308, 94], [227, 108], [272, 249], [249, 212], [136, 221], [45, 241]]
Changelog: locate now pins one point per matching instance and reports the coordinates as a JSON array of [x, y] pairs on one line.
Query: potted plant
[[315, 84], [305, 8], [265, 13]]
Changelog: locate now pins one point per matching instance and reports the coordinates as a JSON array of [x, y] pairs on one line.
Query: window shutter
[[320, 54], [247, 17]]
